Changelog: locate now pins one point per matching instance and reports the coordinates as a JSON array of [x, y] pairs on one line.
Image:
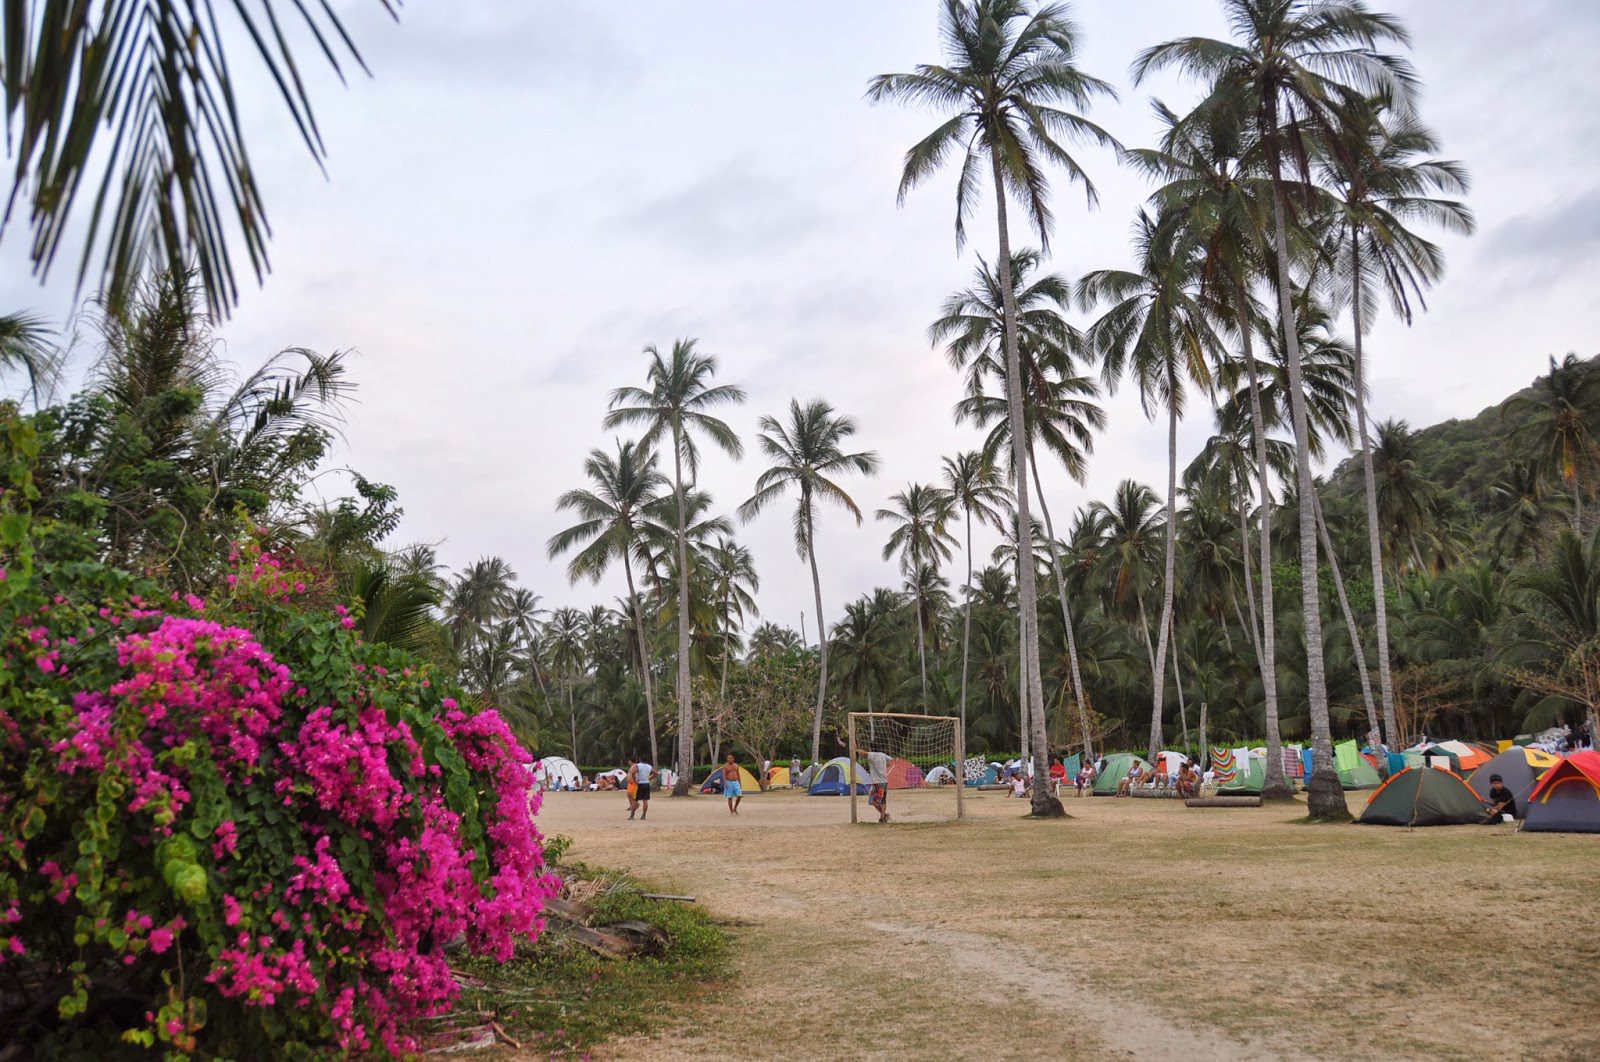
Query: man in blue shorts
[[730, 784]]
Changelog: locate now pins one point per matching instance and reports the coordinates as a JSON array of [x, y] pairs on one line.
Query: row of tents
[[1552, 794]]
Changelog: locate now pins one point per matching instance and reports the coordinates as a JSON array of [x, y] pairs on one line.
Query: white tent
[[557, 772], [940, 775], [1172, 761]]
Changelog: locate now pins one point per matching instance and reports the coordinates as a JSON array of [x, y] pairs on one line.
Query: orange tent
[[903, 774]]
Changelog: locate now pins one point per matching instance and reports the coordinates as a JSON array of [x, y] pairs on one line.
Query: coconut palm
[[1292, 77], [478, 598], [611, 513], [808, 454], [1560, 422], [865, 641], [1518, 522], [1058, 404], [734, 568], [677, 406], [920, 515], [138, 102], [26, 344], [1157, 332], [1009, 72], [974, 489], [1392, 185], [769, 639]]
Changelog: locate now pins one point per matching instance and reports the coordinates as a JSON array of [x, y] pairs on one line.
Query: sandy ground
[[1137, 928]]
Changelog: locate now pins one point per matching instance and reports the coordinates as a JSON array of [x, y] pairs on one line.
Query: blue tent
[[832, 779], [990, 776]]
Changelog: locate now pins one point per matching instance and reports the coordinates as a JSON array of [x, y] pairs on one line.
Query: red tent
[[1567, 798], [903, 774]]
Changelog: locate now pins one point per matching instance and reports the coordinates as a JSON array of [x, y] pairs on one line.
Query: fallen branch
[[666, 896]]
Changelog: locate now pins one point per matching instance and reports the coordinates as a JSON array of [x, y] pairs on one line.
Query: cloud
[[732, 210]]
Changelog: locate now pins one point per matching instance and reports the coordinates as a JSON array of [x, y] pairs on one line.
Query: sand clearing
[[1137, 928]]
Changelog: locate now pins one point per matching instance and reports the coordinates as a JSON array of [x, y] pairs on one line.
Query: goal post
[[920, 752]]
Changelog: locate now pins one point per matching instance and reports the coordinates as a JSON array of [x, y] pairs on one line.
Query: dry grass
[[1136, 926]]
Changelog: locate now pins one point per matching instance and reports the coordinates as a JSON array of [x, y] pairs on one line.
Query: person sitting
[[1058, 772], [1085, 778], [1188, 780], [1134, 776], [1502, 801], [1019, 785]]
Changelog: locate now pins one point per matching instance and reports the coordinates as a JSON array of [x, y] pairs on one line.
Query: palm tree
[[734, 568], [1292, 78], [974, 488], [1407, 501], [865, 640], [478, 597], [144, 95], [1392, 184], [769, 639], [1131, 528], [1519, 522], [920, 515], [568, 632], [25, 343], [1009, 69], [1155, 331], [610, 518], [677, 403], [1058, 404], [1559, 425], [808, 454]]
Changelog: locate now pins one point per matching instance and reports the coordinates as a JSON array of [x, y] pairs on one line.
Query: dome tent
[[1520, 768], [834, 777], [747, 782], [1424, 796], [1114, 770], [558, 772], [1567, 798]]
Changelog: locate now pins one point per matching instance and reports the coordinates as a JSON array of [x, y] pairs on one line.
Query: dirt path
[[1137, 928]]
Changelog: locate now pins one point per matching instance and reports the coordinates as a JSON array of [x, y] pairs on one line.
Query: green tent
[[1248, 781], [1362, 776], [1424, 796], [1114, 770]]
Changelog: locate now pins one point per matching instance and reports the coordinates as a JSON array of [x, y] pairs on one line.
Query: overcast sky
[[526, 193]]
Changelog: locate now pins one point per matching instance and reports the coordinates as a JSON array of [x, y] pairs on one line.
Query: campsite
[[1135, 928]]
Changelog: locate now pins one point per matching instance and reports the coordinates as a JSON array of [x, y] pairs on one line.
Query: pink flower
[[160, 940]]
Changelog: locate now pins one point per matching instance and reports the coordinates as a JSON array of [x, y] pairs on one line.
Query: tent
[[1114, 770], [987, 776], [1355, 771], [1418, 796], [834, 777], [940, 775], [1248, 780], [903, 774], [779, 778], [747, 782], [558, 772], [803, 781], [1567, 798], [1463, 757], [1520, 769], [1172, 761]]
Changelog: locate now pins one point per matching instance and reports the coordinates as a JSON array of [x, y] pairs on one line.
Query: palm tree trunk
[[1324, 795], [1205, 749], [1177, 684], [1044, 803], [1159, 693], [1357, 649], [922, 653], [1274, 786], [822, 628], [644, 659], [685, 691], [1066, 613], [1380, 602], [1249, 571], [966, 632], [572, 719]]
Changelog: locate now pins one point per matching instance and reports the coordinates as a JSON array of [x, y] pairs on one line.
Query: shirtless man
[[731, 787]]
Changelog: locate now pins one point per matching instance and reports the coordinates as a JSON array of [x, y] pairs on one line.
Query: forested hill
[[1464, 457]]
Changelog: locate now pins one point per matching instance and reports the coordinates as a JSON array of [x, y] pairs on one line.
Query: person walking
[[639, 774], [731, 786]]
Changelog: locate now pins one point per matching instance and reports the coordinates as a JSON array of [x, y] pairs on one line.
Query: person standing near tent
[[731, 786], [1502, 801], [639, 774], [878, 778]]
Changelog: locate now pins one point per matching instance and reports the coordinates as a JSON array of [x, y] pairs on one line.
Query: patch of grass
[[559, 998]]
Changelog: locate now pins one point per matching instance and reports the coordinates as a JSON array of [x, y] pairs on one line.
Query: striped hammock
[[1224, 768]]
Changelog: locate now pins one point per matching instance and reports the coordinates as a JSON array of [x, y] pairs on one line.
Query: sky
[[526, 193]]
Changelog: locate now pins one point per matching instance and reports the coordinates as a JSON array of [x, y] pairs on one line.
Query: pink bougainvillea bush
[[230, 823]]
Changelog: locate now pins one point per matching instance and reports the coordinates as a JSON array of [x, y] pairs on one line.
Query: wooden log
[[666, 896], [566, 910], [1223, 802]]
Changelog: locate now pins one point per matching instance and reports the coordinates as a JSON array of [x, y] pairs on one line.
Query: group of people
[[1185, 780]]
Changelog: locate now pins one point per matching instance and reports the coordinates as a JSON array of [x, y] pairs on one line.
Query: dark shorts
[[644, 791]]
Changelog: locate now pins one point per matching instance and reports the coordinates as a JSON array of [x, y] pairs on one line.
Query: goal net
[[917, 757]]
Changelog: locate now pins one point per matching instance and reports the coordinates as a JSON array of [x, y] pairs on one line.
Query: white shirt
[[878, 768], [641, 772]]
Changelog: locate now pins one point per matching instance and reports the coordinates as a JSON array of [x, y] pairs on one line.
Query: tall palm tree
[[478, 598], [1009, 71], [1393, 184], [1157, 332], [1131, 531], [808, 455], [1407, 501], [974, 489], [569, 634], [920, 515], [1058, 404], [865, 642], [1292, 77], [611, 513], [139, 101], [734, 568], [677, 405]]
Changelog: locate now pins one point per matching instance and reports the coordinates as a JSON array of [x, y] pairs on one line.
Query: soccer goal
[[922, 753]]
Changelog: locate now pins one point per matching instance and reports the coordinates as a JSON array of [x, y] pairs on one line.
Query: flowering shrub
[[229, 822]]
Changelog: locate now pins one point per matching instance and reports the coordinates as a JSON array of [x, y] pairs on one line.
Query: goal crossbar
[[956, 747]]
